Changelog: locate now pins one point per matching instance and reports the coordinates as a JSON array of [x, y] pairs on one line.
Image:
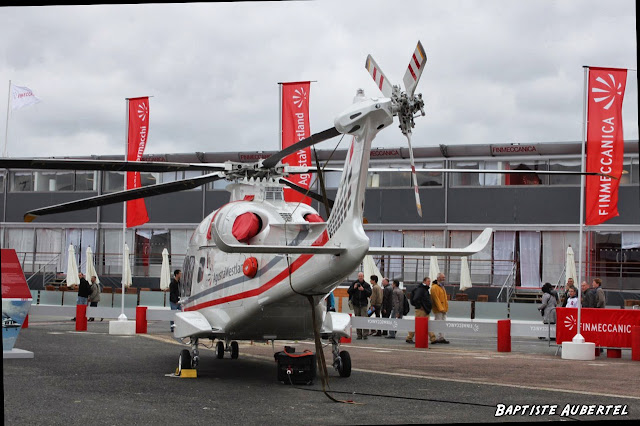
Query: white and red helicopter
[[252, 265]]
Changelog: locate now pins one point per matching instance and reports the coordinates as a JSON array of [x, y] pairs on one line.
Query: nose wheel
[[189, 359], [184, 362]]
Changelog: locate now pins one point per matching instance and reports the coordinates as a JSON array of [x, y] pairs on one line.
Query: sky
[[498, 71]]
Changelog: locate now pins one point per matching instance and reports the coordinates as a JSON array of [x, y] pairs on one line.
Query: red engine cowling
[[246, 226]]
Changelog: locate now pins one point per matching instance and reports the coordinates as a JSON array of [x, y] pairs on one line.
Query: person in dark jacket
[[174, 292], [84, 290], [599, 299], [588, 296], [360, 291], [387, 303], [421, 300]]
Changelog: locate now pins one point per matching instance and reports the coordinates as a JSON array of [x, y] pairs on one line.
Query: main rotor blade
[[104, 165], [378, 77], [121, 196], [488, 171], [307, 192], [414, 70], [413, 175], [311, 140]]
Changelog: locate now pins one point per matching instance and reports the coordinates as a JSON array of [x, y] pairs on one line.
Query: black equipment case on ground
[[296, 368]]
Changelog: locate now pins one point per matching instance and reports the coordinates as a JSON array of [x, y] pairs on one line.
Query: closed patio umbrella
[[570, 270], [434, 269], [90, 267], [126, 271], [72, 267], [465, 275], [165, 271]]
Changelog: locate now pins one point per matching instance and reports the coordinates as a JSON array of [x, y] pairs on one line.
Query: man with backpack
[[421, 300]]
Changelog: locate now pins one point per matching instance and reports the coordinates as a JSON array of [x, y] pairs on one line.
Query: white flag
[[22, 97]]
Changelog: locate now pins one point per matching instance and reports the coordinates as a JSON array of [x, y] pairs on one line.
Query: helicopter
[[253, 264]]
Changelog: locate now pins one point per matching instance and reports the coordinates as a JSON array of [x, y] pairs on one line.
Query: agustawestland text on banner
[[604, 327], [22, 97], [295, 127], [137, 141], [605, 142]]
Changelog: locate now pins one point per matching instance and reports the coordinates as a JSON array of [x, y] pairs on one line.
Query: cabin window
[[187, 275], [201, 269], [86, 180], [21, 181], [565, 165]]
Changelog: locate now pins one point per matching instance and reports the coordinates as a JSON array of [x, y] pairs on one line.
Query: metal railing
[[509, 285], [46, 276]]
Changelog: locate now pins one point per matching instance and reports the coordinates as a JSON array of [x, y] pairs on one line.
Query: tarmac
[[96, 378]]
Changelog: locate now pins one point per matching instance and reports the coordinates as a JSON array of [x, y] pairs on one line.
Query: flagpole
[[5, 153], [122, 316], [578, 337]]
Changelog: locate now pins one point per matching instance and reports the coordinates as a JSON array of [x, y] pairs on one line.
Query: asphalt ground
[[96, 378]]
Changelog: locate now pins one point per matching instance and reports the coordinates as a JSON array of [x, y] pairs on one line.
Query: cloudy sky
[[498, 71]]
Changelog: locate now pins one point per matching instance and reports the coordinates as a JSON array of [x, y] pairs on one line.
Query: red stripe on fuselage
[[295, 265]]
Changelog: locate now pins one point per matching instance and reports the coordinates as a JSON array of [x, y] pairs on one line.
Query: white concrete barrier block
[[582, 351], [126, 328]]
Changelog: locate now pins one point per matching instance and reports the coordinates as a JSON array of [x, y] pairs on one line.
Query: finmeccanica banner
[[295, 127], [604, 327], [136, 143], [605, 142]]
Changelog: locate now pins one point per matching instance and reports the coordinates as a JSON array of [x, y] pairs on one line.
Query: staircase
[[526, 295]]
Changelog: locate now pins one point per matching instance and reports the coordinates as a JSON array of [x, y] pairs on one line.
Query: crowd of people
[[368, 299], [591, 297]]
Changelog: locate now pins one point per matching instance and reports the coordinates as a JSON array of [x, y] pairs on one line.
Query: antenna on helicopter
[[404, 104]]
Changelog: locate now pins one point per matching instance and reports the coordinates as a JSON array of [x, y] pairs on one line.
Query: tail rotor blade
[[414, 70], [378, 76], [414, 177]]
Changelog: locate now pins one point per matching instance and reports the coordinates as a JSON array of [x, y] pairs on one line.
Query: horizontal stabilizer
[[471, 249], [274, 249], [191, 324]]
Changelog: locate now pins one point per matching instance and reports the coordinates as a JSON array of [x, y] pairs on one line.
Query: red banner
[[605, 142], [604, 327], [137, 141], [14, 285], [295, 127]]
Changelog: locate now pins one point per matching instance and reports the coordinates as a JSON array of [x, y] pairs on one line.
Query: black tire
[[220, 350], [345, 364], [235, 350], [184, 362]]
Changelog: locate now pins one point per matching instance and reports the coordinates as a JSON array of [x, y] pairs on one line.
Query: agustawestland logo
[[299, 97], [143, 111], [608, 90], [570, 322]]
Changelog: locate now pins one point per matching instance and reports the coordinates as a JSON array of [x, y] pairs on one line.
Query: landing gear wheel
[[235, 350], [220, 350], [184, 362], [345, 364]]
